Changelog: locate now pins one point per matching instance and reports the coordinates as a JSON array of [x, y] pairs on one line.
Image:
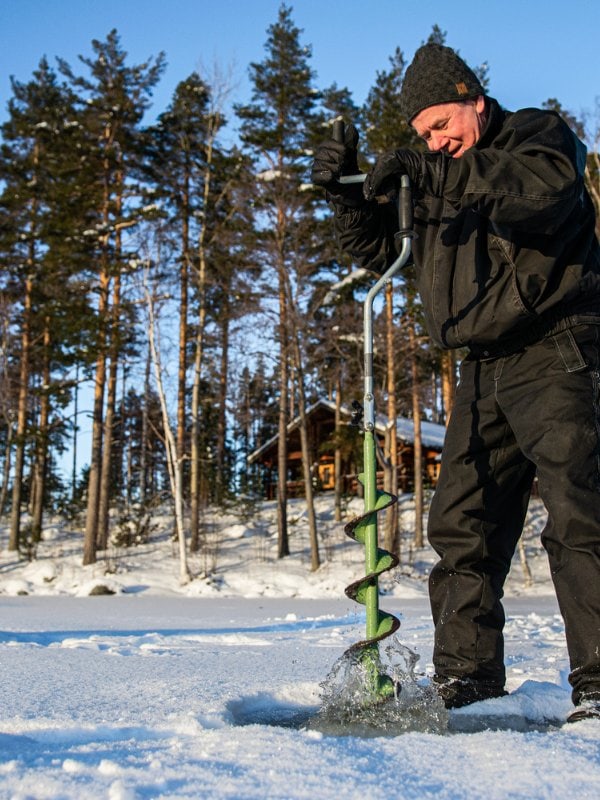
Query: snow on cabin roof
[[432, 434]]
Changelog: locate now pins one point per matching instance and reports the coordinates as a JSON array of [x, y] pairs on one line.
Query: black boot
[[588, 707], [459, 692]]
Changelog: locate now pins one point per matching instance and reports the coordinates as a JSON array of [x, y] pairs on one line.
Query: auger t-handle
[[339, 130], [405, 210], [404, 234]]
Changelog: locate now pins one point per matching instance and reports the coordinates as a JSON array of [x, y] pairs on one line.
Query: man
[[508, 267]]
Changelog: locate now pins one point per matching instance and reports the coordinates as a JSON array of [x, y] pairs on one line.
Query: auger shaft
[[370, 459], [371, 544]]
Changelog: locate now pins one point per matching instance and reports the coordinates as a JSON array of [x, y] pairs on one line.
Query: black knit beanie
[[436, 75]]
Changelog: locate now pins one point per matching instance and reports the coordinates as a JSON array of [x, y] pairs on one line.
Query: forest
[[168, 284]]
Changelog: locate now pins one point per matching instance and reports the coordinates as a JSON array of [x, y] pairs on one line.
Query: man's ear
[[480, 103]]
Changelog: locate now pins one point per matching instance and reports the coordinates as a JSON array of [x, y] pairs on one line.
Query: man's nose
[[437, 141]]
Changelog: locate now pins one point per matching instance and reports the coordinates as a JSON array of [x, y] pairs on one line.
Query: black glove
[[426, 171], [333, 159]]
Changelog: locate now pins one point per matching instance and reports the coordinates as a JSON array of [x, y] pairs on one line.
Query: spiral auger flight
[[379, 624], [385, 624], [363, 529], [365, 590]]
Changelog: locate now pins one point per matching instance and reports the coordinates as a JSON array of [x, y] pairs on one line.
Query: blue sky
[[535, 49]]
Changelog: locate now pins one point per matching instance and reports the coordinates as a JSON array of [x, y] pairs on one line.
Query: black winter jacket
[[506, 252]]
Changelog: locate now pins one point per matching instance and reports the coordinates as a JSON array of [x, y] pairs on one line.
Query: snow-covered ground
[[211, 690]]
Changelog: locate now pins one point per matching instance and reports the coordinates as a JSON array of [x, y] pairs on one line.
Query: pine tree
[[275, 129], [386, 128], [114, 97], [44, 257], [7, 400]]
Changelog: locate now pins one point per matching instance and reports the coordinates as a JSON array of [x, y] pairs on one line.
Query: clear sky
[[535, 49]]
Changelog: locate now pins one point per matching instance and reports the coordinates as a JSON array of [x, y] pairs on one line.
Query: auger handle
[[339, 130], [405, 209]]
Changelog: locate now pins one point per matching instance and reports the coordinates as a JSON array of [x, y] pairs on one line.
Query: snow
[[355, 276], [168, 691]]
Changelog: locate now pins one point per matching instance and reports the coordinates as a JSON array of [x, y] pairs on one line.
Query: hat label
[[461, 88]]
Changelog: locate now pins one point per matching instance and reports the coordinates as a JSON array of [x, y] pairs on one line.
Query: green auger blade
[[380, 624], [379, 686]]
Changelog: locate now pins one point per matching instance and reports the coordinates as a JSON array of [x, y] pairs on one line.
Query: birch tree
[[174, 460]]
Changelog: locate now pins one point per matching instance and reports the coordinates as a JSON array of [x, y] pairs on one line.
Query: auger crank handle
[[405, 209], [339, 130]]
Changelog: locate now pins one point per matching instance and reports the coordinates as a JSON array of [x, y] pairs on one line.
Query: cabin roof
[[432, 434]]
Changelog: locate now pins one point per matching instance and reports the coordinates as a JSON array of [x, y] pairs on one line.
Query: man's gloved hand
[[333, 159], [426, 171]]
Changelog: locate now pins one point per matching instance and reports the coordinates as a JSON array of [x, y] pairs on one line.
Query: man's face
[[451, 127]]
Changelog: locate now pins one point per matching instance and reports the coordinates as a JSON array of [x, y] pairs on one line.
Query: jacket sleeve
[[531, 178], [367, 233]]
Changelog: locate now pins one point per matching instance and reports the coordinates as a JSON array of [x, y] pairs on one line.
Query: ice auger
[[379, 624]]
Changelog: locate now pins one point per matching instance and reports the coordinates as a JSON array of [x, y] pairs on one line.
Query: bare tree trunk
[[315, 561], [183, 323], [91, 522], [222, 417], [144, 444], [527, 575], [95, 482], [201, 280], [127, 458], [75, 436], [418, 447], [448, 382], [111, 395], [175, 464], [24, 377], [283, 548], [41, 449], [195, 432], [195, 471], [15, 516], [6, 406], [93, 499], [337, 456], [7, 464], [109, 419], [106, 463]]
